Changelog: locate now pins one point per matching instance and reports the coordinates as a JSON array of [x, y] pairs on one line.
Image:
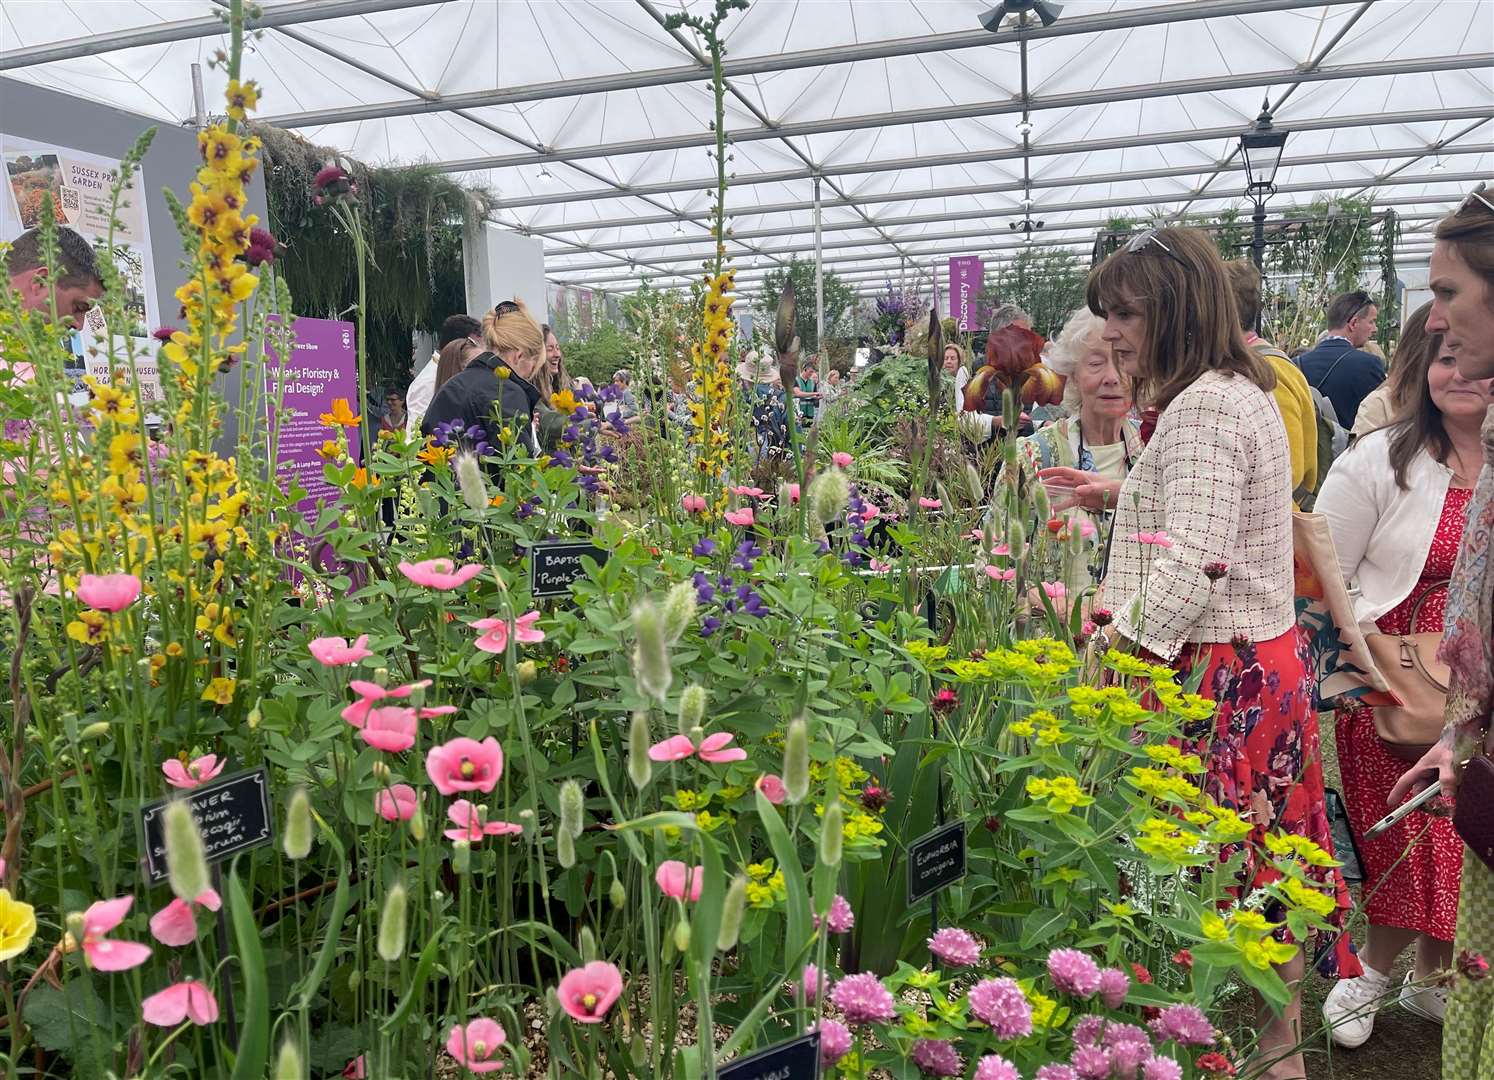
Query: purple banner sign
[[967, 275], [323, 366]]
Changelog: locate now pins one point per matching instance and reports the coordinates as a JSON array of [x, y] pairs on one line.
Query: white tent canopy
[[591, 122]]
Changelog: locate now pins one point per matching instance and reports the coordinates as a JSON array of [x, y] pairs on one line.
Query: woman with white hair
[[1098, 440]]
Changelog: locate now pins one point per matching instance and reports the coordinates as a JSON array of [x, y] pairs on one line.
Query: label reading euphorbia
[[796, 1059], [936, 860]]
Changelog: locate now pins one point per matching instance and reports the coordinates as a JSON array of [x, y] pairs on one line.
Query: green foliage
[[840, 302], [896, 388], [1047, 284], [414, 217], [599, 354]]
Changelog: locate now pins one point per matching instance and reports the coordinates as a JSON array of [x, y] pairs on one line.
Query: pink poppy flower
[[440, 573], [108, 592], [176, 923], [929, 504], [996, 573], [748, 492], [793, 492], [370, 693], [674, 878], [335, 651], [390, 728], [841, 459], [200, 771], [355, 1069], [1054, 590], [739, 517], [713, 748], [472, 826], [477, 1046], [465, 765], [397, 803], [105, 953], [495, 640], [186, 1000], [1155, 539], [437, 710], [771, 785], [1086, 527], [694, 504], [870, 511], [588, 992]]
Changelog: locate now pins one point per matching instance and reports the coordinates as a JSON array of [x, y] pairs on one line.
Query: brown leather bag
[[1473, 816], [1418, 680]]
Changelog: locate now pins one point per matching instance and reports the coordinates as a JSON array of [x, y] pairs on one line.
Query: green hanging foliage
[[415, 217]]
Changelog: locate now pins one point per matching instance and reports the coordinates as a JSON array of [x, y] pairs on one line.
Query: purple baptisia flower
[[526, 509], [1114, 985], [995, 1067], [1073, 972], [863, 999], [709, 625], [835, 1040], [937, 1057], [1185, 1024], [705, 592], [1001, 1004], [704, 548], [955, 947]]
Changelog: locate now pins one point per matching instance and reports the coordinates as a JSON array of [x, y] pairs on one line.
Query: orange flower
[[496, 500], [340, 414], [329, 451], [361, 479]]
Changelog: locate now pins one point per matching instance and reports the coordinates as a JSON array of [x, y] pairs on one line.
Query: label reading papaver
[[232, 814], [796, 1059]]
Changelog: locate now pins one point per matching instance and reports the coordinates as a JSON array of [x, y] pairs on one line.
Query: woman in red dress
[[1397, 505], [1200, 570]]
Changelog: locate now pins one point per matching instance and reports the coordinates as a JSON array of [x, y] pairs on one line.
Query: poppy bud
[[96, 730], [380, 772], [640, 769], [469, 479], [393, 924], [829, 492], [572, 808], [682, 935], [732, 910], [679, 610], [288, 1062], [417, 824], [692, 707], [588, 945], [185, 862], [297, 840], [832, 834], [651, 655], [461, 856], [796, 761], [618, 894], [1016, 539]]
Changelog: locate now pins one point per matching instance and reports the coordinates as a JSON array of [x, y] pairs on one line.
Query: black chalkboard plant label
[[232, 814], [555, 564], [796, 1059], [936, 860]]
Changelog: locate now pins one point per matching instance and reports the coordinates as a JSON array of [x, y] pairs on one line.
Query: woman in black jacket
[[497, 388]]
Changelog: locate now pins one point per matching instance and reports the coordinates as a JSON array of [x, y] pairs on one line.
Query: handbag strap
[[1422, 599]]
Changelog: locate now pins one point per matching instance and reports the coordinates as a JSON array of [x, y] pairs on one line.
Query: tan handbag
[[1414, 675]]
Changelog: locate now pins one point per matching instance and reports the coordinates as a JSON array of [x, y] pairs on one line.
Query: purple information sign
[[967, 275], [323, 366]]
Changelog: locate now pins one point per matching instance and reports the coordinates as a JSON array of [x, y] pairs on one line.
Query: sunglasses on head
[[1475, 197], [508, 307], [1143, 242]]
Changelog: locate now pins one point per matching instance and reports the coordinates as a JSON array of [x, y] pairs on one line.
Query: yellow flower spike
[[241, 97]]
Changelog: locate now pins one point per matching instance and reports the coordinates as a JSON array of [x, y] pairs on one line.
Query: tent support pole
[[819, 274]]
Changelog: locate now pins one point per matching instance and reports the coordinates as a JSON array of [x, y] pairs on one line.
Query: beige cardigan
[[1217, 478]]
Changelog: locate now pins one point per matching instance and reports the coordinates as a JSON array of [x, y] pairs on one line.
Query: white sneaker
[[1427, 1002], [1351, 1005]]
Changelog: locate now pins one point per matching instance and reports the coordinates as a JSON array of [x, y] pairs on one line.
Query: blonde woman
[[497, 387]]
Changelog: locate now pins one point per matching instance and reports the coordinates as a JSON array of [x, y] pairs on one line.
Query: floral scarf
[[1468, 644]]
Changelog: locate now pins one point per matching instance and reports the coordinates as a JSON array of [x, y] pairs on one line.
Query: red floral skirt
[[1265, 761]]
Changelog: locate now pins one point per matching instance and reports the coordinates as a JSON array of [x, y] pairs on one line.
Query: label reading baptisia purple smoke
[[936, 860], [555, 564], [232, 814], [796, 1059]]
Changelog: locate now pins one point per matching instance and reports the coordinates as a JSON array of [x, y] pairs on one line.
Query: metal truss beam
[[806, 58], [943, 113], [1011, 153], [1139, 202], [922, 194], [205, 26]]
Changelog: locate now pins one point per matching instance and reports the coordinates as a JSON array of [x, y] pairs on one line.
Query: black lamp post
[[1261, 146]]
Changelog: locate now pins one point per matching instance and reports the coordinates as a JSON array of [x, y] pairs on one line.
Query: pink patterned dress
[[1420, 891]]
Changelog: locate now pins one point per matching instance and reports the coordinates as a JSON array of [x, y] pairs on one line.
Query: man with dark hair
[[78, 284], [1338, 366], [423, 386]]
